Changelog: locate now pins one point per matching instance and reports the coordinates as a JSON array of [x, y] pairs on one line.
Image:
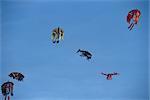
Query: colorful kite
[[7, 90], [109, 76], [57, 35], [133, 18], [16, 75]]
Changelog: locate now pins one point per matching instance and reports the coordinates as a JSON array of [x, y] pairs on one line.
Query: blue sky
[[55, 71], [0, 42]]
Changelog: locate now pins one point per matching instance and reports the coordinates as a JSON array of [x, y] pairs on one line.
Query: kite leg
[[58, 38], [8, 98], [88, 58], [5, 97], [131, 27], [57, 41], [54, 41]]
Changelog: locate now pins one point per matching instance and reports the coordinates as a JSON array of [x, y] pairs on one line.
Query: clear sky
[[0, 44], [55, 71]]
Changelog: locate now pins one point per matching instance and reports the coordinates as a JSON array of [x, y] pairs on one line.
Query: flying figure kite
[[133, 18], [16, 75], [57, 35], [7, 90], [109, 76], [84, 53]]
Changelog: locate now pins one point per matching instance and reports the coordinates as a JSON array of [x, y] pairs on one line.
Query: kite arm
[[115, 74], [104, 74], [10, 75], [78, 51]]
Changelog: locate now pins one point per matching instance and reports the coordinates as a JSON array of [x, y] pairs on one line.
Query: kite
[[7, 89], [133, 18], [84, 53], [57, 35], [16, 75], [109, 76]]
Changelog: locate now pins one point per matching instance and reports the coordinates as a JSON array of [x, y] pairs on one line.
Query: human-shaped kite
[[133, 18], [7, 90], [57, 35], [84, 53], [17, 75], [109, 75]]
